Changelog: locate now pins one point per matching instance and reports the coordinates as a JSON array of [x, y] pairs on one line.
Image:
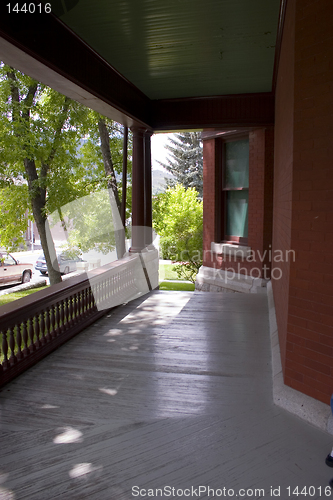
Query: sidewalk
[[25, 286]]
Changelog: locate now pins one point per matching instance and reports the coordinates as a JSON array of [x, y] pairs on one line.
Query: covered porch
[[176, 389], [173, 390]]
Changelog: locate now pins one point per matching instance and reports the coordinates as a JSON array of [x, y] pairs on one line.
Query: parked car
[[66, 264], [12, 271]]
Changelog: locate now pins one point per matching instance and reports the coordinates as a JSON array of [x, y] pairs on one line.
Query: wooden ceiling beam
[[239, 110]]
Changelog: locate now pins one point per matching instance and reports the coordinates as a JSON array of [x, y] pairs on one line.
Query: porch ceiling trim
[[245, 110]]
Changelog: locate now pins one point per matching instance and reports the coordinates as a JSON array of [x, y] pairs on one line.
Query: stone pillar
[[148, 190], [138, 189]]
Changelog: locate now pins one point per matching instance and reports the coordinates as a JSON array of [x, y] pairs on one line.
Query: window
[[235, 190], [9, 261]]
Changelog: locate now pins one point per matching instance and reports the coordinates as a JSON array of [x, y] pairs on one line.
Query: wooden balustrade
[[32, 327]]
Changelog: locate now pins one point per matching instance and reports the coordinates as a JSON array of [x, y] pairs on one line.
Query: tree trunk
[[119, 230], [37, 193], [37, 196]]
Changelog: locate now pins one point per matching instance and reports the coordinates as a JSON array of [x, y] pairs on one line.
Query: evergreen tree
[[186, 163]]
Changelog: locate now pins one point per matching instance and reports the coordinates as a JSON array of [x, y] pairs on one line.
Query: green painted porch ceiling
[[183, 48]]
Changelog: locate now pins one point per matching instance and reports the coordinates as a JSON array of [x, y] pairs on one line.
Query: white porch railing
[[34, 326]]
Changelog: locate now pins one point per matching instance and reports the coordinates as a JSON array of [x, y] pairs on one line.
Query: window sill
[[240, 251]]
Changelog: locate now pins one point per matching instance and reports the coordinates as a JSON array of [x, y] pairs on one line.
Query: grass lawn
[[5, 299], [167, 272], [171, 285]]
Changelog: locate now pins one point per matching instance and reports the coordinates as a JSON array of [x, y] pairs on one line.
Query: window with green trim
[[235, 189]]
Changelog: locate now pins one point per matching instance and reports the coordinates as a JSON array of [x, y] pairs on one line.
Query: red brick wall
[[256, 188], [283, 165], [309, 355], [261, 193], [268, 188]]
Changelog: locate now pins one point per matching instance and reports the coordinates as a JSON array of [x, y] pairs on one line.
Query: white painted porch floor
[[174, 390]]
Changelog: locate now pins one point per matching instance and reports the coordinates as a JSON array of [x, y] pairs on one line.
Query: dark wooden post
[[148, 190], [138, 189]]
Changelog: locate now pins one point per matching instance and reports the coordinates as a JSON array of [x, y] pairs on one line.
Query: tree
[[186, 163], [36, 140], [47, 143], [177, 218], [103, 148]]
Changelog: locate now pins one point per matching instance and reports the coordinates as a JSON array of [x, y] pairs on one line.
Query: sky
[[158, 152]]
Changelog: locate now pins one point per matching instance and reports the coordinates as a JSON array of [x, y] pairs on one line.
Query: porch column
[[148, 190], [138, 189]]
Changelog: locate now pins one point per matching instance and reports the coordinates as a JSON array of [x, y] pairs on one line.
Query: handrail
[[35, 325]]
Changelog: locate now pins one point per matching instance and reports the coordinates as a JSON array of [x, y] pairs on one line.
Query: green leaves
[[14, 200], [177, 218], [50, 144]]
